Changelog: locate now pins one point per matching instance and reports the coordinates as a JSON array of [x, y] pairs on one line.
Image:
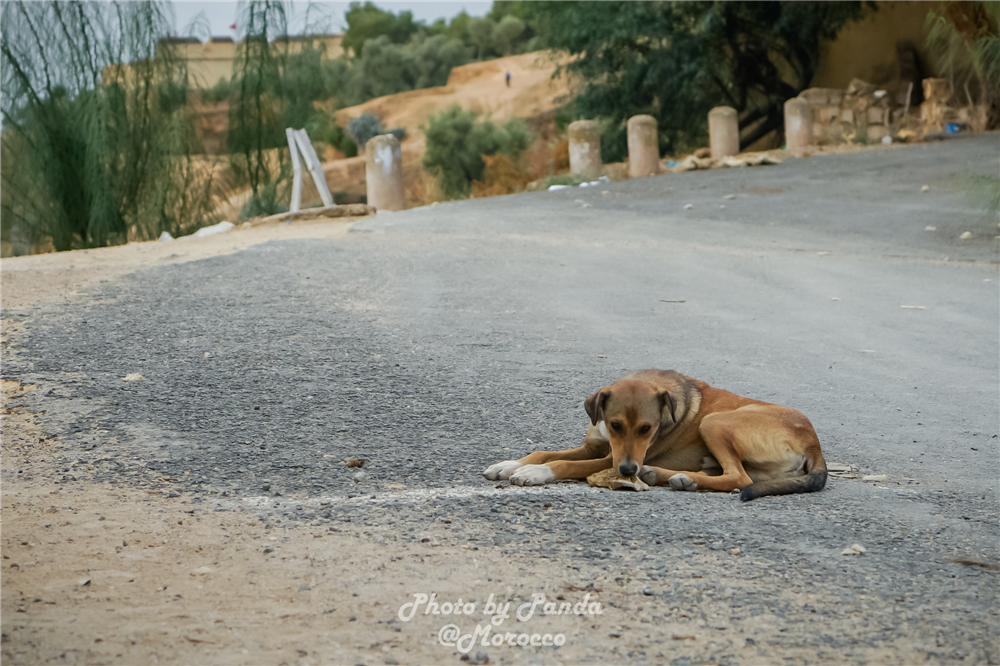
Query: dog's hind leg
[[719, 434]]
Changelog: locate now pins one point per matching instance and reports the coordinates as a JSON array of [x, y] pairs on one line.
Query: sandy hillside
[[478, 86]]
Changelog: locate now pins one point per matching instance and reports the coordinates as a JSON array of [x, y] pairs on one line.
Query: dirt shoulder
[[37, 278]]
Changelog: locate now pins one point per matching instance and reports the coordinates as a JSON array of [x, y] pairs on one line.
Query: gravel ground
[[435, 342]]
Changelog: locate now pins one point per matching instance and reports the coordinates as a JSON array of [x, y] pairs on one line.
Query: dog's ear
[[667, 407], [595, 405]]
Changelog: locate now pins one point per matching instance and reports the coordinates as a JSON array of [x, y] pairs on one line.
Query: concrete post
[[384, 172], [643, 147], [724, 131], [585, 148], [798, 124]]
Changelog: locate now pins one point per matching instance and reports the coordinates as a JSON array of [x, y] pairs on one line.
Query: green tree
[[256, 119], [365, 22], [481, 36], [94, 150], [456, 143], [507, 33], [677, 60]]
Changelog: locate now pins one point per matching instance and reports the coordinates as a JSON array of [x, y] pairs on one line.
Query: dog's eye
[[645, 429], [617, 427]]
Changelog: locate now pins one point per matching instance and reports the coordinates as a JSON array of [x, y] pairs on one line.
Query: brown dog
[[672, 430]]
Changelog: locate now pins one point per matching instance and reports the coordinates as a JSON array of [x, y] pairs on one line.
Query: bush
[[366, 126], [363, 128], [263, 203], [502, 175], [336, 137], [456, 143]]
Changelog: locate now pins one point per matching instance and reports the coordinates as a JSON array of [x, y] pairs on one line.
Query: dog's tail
[[814, 479]]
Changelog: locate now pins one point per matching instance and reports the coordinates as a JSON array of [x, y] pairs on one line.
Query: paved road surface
[[437, 341]]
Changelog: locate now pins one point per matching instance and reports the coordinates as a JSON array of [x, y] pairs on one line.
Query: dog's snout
[[628, 468]]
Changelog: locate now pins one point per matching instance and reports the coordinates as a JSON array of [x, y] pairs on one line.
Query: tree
[[677, 60], [94, 149], [365, 22], [256, 122], [506, 34], [481, 36], [456, 143]]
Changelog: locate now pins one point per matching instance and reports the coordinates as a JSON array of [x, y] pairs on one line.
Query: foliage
[[387, 68], [506, 33], [501, 175], [456, 143], [368, 22], [366, 126], [363, 128], [94, 152], [338, 138], [677, 60], [964, 38], [264, 202], [217, 93], [255, 112]]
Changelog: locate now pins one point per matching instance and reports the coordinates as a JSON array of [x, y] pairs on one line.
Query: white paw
[[501, 470], [682, 482], [647, 475], [533, 475]]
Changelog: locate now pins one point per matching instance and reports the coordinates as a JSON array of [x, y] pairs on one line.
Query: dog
[[669, 429]]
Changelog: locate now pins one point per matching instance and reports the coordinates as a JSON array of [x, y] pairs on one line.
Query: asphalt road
[[440, 340]]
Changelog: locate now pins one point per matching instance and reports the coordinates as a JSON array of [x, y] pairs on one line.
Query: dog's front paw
[[533, 475], [502, 470], [647, 475], [682, 482]]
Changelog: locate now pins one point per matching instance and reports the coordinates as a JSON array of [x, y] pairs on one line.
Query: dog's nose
[[628, 468]]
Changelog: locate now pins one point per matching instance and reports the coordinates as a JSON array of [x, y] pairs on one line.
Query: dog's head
[[633, 412]]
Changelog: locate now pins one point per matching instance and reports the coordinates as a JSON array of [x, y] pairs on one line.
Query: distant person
[[508, 79]]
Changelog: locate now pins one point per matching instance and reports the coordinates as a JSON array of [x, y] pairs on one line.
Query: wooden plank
[[314, 166], [347, 210], [296, 171]]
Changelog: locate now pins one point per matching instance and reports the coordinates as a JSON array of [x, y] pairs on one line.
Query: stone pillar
[[798, 124], [585, 148], [643, 147], [724, 131], [384, 172]]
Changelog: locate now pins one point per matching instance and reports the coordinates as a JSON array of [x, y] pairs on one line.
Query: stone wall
[[863, 113]]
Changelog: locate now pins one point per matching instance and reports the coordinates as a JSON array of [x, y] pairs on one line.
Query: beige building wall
[[866, 49], [208, 62], [213, 60]]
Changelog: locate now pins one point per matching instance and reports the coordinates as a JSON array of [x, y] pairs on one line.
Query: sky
[[222, 14]]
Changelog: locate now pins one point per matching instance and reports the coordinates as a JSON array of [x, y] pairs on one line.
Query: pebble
[[688, 206]]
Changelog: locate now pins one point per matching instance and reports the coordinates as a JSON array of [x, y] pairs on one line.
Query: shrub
[[502, 175], [263, 203], [363, 128], [336, 137], [456, 143]]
